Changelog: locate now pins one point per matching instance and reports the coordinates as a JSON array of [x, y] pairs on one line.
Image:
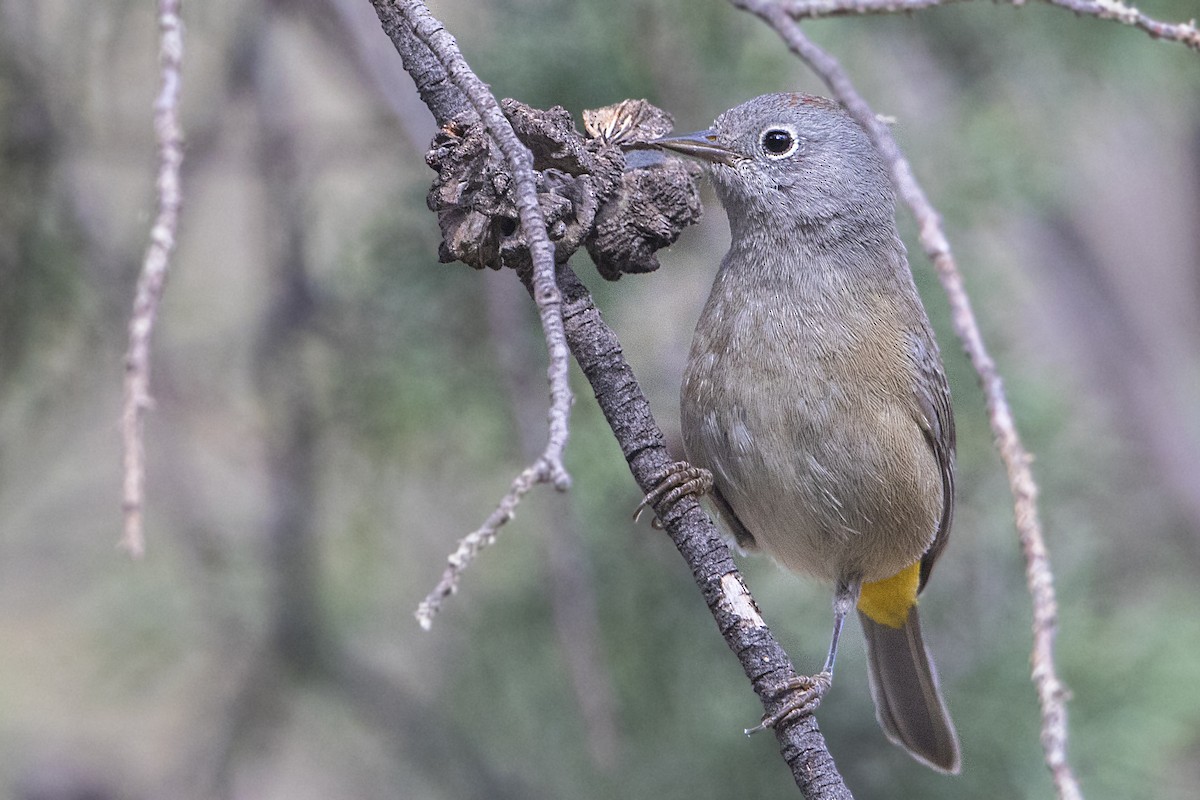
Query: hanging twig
[[548, 468], [150, 282], [476, 541], [1040, 579]]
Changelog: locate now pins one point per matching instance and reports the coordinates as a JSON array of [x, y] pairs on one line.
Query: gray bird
[[815, 394]]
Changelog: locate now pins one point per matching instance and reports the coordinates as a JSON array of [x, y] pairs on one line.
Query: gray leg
[[804, 692]]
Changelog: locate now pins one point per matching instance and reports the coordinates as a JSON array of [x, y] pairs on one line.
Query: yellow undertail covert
[[888, 601]]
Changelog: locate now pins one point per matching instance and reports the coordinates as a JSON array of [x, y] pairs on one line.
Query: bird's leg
[[673, 482], [804, 692]]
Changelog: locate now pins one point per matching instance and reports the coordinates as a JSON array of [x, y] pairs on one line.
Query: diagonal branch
[[763, 660], [1184, 32], [153, 274], [1050, 689], [449, 79]]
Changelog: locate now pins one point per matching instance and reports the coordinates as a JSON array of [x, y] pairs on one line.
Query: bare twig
[[815, 9], [548, 468], [1051, 691], [153, 275], [478, 540], [1184, 32]]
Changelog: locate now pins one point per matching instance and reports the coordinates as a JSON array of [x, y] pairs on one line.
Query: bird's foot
[[803, 695], [673, 482]]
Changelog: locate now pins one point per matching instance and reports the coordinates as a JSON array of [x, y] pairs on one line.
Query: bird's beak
[[701, 144]]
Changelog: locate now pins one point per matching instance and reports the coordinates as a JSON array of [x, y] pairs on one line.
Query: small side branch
[[1050, 689], [477, 541], [1184, 32], [153, 275], [533, 225], [548, 468], [815, 9]]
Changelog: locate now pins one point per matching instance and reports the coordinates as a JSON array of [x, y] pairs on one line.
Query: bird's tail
[[904, 686]]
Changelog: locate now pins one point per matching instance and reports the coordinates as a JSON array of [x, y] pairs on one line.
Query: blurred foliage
[[147, 680], [395, 397], [38, 244]]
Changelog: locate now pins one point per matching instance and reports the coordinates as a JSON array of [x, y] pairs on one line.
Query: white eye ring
[[779, 141]]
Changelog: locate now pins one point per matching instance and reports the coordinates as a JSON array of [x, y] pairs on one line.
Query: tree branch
[[1039, 577], [153, 275], [598, 352], [1184, 32]]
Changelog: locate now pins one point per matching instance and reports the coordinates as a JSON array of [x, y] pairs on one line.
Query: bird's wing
[[936, 418], [741, 533]]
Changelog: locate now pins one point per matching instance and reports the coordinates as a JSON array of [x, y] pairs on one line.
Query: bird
[[815, 411]]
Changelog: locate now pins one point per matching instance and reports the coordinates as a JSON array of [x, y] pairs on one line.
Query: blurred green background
[[335, 409]]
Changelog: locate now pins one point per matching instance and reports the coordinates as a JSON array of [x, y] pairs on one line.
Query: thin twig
[[1184, 32], [150, 282], [476, 541], [815, 9], [1039, 577], [548, 468]]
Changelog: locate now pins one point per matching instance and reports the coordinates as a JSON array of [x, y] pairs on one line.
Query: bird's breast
[[799, 400]]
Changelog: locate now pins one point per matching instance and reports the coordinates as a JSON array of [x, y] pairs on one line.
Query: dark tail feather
[[904, 686]]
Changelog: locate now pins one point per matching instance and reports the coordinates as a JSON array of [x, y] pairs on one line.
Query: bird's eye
[[779, 142]]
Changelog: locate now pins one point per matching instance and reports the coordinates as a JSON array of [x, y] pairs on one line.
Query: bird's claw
[[803, 696], [675, 481]]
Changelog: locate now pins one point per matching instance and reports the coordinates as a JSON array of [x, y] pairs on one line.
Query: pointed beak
[[701, 144]]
